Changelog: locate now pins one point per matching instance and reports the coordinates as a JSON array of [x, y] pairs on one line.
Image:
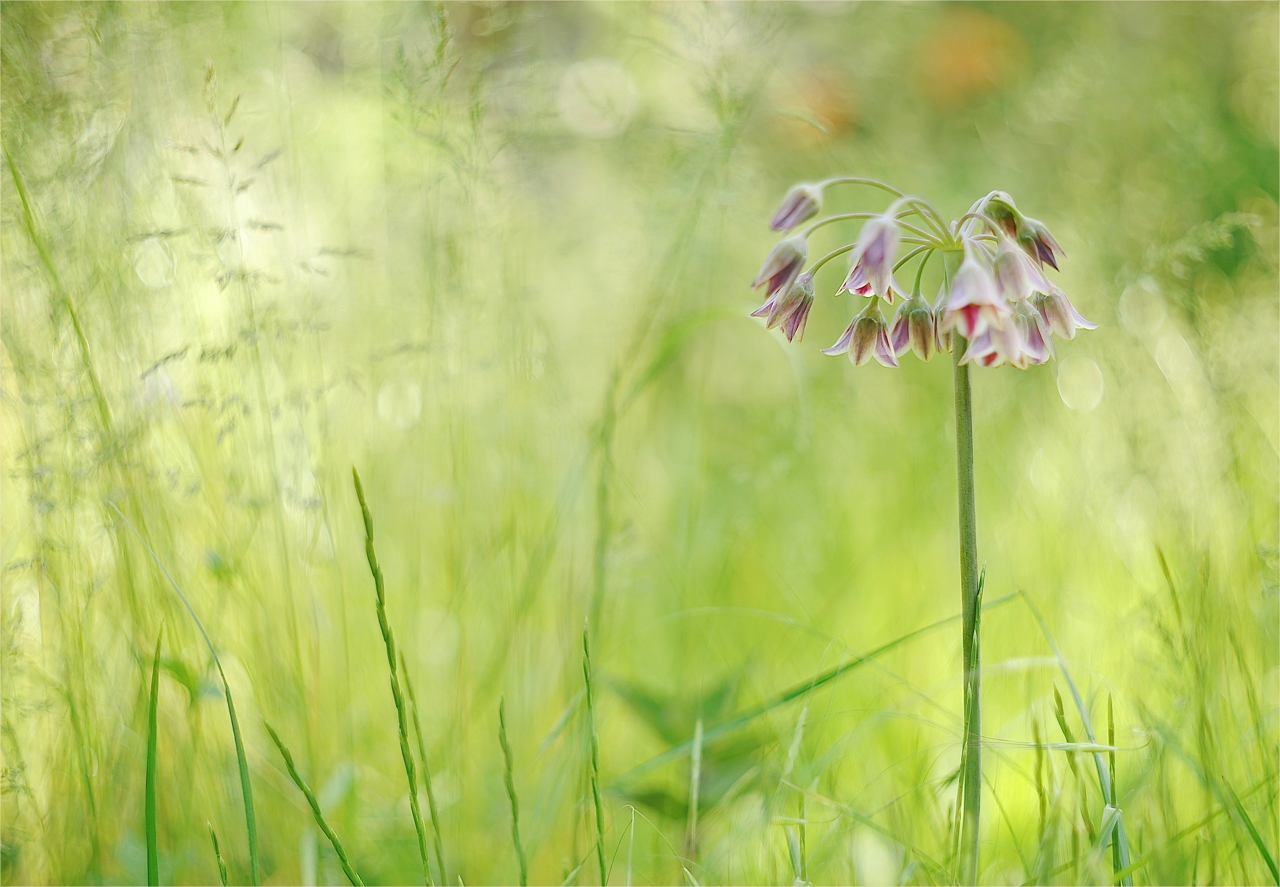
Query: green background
[[500, 263]]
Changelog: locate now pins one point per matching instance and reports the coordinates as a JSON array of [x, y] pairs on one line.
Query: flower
[[1060, 315], [1039, 243], [871, 264], [913, 327], [866, 337], [1023, 341], [1031, 234], [1016, 275], [783, 265], [802, 202], [974, 303], [791, 309]]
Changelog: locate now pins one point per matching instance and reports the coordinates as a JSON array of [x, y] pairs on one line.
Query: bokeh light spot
[[1080, 383]]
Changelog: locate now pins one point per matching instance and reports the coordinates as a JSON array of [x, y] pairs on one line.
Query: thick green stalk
[[969, 590]]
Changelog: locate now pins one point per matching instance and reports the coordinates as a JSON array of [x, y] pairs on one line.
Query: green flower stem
[[969, 591], [829, 256], [844, 217], [857, 180]]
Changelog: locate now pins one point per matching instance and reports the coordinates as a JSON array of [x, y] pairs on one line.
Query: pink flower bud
[[866, 337], [1035, 238], [913, 327], [1060, 315], [871, 263], [801, 203], [974, 304], [783, 265], [1016, 275], [790, 309]]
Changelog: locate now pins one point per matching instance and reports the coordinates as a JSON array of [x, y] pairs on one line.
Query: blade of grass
[[426, 771], [595, 756], [153, 855], [315, 806], [509, 777], [217, 854], [250, 820], [1104, 775], [388, 640], [1253, 831], [794, 692]]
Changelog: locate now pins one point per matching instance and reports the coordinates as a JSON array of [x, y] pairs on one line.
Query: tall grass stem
[[153, 854], [508, 773], [595, 755], [426, 771], [246, 790], [315, 806], [402, 722]]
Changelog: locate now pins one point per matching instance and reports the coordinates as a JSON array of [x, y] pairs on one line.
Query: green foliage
[[412, 237]]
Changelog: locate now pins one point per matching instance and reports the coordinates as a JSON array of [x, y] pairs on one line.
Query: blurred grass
[[514, 292]]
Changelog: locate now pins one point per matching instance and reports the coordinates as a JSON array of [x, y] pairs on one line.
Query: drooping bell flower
[[974, 303], [1038, 242], [913, 327], [1017, 276], [871, 263], [789, 309], [783, 265], [1060, 315], [1031, 234], [866, 337], [801, 203]]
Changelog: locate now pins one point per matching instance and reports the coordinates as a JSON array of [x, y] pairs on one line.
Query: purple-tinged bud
[[790, 309], [1060, 315], [801, 203], [1035, 344], [871, 263], [783, 265], [913, 327], [1035, 238], [975, 303], [866, 337]]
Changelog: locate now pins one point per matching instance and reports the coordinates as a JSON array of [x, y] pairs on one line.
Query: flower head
[[974, 303], [913, 327], [871, 263], [866, 337], [790, 308], [801, 203], [783, 265]]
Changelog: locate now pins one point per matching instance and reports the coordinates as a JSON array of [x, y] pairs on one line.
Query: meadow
[[496, 258]]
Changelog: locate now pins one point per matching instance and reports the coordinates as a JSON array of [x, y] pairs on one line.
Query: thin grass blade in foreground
[[315, 806], [426, 771], [402, 724], [1253, 831], [217, 854], [595, 757], [250, 820], [153, 855], [791, 694], [509, 777], [1104, 775]]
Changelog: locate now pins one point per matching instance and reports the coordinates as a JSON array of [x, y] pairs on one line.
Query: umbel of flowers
[[999, 297], [996, 306]]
